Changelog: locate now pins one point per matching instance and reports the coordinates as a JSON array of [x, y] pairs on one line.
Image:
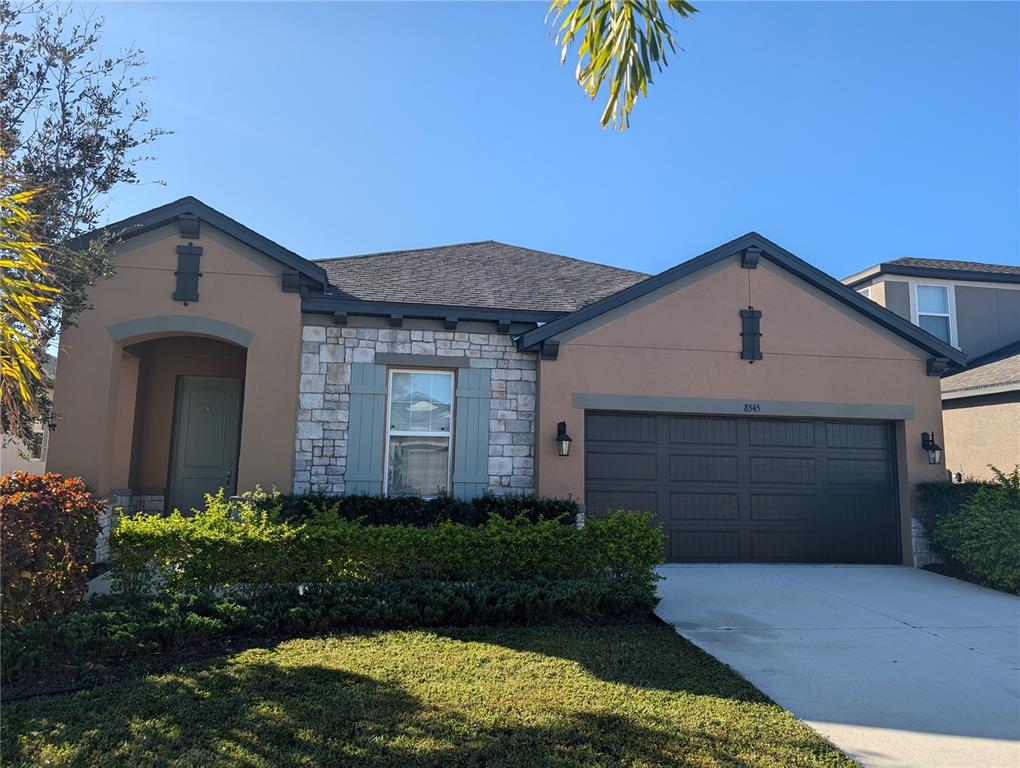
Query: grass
[[634, 695]]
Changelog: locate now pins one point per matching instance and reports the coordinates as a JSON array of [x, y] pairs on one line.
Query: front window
[[418, 439], [933, 311]]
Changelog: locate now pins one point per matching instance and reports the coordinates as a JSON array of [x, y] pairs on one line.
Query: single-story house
[[759, 408], [975, 307]]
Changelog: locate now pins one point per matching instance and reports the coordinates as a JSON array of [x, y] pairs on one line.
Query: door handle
[[230, 475]]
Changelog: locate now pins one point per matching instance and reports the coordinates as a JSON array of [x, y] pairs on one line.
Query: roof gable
[[193, 207], [748, 244]]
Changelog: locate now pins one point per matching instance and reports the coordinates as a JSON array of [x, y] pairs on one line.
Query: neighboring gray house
[[975, 307]]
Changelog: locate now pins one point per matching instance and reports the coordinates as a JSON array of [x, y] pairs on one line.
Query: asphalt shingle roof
[[483, 274], [963, 266], [996, 369]]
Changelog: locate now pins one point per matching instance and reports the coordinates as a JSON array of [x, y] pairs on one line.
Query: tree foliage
[[26, 291], [620, 40], [72, 127]]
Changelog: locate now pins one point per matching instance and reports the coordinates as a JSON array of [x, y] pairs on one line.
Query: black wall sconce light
[[563, 440], [934, 449]]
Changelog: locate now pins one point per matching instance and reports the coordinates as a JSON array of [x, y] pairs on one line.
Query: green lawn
[[634, 695]]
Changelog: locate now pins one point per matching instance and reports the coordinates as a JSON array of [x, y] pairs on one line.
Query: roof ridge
[[570, 258], [372, 254], [335, 259]]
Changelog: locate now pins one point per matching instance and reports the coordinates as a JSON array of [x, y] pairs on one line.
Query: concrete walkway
[[896, 666]]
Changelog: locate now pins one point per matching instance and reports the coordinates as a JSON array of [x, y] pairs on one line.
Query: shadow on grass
[[302, 704], [650, 655]]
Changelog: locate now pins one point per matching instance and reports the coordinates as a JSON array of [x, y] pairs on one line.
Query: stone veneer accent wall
[[125, 501], [320, 457]]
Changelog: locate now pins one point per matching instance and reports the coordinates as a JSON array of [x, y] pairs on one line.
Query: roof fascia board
[[777, 255], [992, 389], [169, 213], [336, 305], [933, 273]]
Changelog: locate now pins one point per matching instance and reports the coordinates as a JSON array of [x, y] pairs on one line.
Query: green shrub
[[48, 530], [112, 630], [982, 535], [413, 510], [225, 546]]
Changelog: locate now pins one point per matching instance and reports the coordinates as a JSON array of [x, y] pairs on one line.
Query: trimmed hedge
[[224, 546], [111, 630], [413, 510], [48, 530], [981, 535]]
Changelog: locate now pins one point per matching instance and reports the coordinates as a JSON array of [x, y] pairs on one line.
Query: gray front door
[[730, 488], [207, 420]]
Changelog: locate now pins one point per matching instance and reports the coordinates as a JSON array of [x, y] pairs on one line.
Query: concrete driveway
[[896, 666]]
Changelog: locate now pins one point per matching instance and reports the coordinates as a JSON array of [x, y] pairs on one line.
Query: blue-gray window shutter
[[366, 429], [471, 435]]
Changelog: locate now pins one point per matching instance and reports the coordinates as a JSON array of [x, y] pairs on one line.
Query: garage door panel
[[784, 506], [783, 469], [598, 503], [684, 430], [796, 546], [859, 546], [859, 509], [781, 434], [853, 435], [703, 468], [859, 472], [621, 428], [623, 466], [703, 545], [749, 488], [704, 506]]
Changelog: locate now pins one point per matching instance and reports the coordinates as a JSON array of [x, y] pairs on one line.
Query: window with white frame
[[420, 416], [933, 313], [865, 291]]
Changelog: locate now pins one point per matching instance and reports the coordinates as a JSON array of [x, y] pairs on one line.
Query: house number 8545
[[752, 407]]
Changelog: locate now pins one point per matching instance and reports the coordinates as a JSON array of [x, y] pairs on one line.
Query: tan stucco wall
[[979, 435], [686, 343], [96, 379]]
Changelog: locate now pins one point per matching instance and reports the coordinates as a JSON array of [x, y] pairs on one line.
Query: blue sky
[[849, 133]]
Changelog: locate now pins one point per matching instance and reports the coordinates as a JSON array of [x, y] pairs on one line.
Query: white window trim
[[865, 291], [414, 433], [951, 296]]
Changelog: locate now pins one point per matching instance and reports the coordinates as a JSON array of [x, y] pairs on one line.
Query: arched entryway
[[185, 436]]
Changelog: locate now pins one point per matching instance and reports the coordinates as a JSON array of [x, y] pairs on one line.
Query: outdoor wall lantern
[[563, 440], [934, 449]]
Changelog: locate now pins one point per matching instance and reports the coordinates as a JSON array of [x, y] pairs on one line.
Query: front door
[[207, 421]]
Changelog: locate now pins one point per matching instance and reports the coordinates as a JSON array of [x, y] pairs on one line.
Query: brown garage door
[[749, 489]]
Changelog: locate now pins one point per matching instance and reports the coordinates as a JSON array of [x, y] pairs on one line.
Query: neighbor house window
[[865, 291], [933, 311], [36, 445], [420, 415]]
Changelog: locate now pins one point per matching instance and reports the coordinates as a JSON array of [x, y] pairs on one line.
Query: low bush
[[112, 630], [982, 534], [224, 546], [48, 530], [414, 510]]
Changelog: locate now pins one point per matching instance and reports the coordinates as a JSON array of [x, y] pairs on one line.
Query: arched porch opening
[[185, 429]]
